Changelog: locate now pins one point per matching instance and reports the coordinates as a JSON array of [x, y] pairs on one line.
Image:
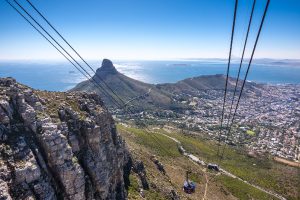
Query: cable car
[[213, 167], [188, 186]]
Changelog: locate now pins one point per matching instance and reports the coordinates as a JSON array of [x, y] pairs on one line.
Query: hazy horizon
[[158, 59]]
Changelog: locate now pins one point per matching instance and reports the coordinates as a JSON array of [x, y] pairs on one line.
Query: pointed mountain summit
[[107, 67], [149, 96], [125, 87]]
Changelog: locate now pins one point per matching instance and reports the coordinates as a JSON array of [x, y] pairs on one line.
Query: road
[[223, 171], [139, 97]]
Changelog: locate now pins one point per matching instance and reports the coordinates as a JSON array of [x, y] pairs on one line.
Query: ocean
[[61, 76]]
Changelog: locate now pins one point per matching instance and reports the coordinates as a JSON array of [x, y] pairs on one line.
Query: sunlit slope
[[151, 96], [126, 88], [263, 171]]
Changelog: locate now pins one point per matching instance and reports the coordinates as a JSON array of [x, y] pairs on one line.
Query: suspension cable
[[246, 75], [48, 40], [108, 95], [75, 52], [115, 102], [227, 75], [241, 63], [91, 79]]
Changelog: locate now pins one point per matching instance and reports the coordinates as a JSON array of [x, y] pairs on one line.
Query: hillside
[[205, 82], [65, 145], [127, 88], [244, 176], [266, 126], [154, 96]]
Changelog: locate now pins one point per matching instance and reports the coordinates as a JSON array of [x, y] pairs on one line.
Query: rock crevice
[[57, 145]]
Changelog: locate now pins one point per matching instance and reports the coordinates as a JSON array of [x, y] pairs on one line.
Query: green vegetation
[[158, 143], [261, 171], [160, 184], [242, 190], [152, 194], [55, 99], [251, 133], [196, 178], [133, 189], [204, 149]]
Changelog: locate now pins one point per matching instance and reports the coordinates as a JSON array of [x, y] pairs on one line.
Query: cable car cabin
[[188, 186], [213, 167]]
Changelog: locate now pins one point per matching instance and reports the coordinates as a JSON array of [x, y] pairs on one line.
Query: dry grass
[[175, 166], [54, 100], [263, 172]]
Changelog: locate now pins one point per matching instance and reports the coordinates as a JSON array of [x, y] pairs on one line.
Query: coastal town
[[266, 121]]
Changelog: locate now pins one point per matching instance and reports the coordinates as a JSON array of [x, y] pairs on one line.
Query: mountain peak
[[107, 67]]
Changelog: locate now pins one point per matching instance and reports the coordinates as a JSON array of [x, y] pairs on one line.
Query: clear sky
[[152, 29]]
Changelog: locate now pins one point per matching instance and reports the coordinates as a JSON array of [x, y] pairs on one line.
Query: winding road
[[198, 161], [139, 97]]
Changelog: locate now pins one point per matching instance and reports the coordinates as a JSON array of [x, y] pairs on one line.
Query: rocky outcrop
[[139, 168], [58, 146], [158, 164], [107, 67]]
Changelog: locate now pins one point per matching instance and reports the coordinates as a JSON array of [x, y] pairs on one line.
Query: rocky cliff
[[106, 68], [56, 145]]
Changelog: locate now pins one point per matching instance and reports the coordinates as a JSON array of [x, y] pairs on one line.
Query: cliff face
[[58, 146]]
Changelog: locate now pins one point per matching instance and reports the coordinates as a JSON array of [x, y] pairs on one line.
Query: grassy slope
[[265, 173], [262, 171], [143, 145], [159, 144], [242, 190]]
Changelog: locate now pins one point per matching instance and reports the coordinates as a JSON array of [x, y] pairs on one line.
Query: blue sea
[[61, 76]]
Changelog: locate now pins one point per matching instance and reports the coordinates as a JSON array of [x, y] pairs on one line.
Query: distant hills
[[257, 61], [151, 96]]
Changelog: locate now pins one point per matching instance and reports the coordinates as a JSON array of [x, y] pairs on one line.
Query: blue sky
[[152, 29]]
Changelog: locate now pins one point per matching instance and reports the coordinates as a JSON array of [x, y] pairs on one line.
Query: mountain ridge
[[161, 95]]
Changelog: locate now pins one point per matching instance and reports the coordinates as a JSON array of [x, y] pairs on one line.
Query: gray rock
[[138, 167], [3, 133], [73, 157], [4, 191]]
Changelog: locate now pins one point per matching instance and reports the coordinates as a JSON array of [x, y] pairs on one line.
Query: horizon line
[[145, 59]]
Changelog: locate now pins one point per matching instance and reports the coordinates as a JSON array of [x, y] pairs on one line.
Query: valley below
[[143, 149], [266, 121]]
